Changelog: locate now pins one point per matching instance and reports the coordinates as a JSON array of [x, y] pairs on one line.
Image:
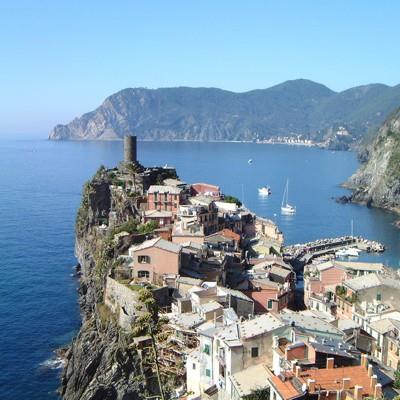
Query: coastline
[[319, 145]]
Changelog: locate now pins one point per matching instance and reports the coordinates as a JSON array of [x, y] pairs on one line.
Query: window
[[254, 352], [208, 373], [207, 349], [144, 259], [193, 366], [269, 304], [378, 297], [143, 274]]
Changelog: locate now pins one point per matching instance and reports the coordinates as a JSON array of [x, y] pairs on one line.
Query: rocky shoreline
[[377, 182], [347, 199]]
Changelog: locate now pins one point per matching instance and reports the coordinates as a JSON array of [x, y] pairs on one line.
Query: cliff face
[[99, 363], [293, 107], [377, 182], [103, 362]]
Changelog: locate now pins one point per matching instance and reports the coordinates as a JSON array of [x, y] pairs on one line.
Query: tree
[[396, 383], [133, 169], [232, 199], [258, 394], [150, 323]]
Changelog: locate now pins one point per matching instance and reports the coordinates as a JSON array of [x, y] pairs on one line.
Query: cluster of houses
[[236, 323]]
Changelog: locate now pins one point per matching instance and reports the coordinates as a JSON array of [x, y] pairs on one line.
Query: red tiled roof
[[229, 234], [332, 379]]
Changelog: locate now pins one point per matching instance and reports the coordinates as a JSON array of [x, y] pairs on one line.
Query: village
[[245, 314]]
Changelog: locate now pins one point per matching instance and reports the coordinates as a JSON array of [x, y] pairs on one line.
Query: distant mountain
[[377, 182], [183, 113]]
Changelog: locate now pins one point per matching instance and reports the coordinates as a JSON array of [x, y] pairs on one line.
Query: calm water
[[40, 186]]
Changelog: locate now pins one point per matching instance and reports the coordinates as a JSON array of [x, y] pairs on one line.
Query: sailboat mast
[[287, 192]]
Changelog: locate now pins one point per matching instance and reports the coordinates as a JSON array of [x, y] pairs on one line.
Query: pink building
[[322, 278], [155, 260], [269, 296], [164, 198]]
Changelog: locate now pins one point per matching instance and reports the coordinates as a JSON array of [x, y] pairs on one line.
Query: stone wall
[[122, 302]]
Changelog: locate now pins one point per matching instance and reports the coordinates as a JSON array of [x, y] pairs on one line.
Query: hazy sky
[[59, 59]]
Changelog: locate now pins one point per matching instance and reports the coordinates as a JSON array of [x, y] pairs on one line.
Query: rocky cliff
[[103, 362], [293, 107], [100, 364], [377, 182]]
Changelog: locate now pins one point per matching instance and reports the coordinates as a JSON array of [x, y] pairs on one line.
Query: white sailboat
[[286, 208]]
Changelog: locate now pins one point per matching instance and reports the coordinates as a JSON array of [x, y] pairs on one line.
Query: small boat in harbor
[[286, 208], [264, 191], [350, 252]]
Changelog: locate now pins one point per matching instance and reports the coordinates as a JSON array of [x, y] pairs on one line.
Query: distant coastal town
[[217, 307]]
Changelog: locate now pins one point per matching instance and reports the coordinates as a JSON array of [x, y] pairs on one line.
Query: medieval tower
[[130, 149]]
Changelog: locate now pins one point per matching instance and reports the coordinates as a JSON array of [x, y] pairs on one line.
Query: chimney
[[378, 391], [275, 342], [311, 385], [373, 381], [346, 383], [370, 372], [293, 365], [358, 392], [297, 371], [364, 361], [330, 363]]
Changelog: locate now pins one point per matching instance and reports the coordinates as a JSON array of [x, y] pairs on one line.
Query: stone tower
[[130, 155]]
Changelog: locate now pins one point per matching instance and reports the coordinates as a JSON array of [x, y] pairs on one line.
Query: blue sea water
[[40, 188]]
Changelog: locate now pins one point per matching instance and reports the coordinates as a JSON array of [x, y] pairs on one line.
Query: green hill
[[183, 113]]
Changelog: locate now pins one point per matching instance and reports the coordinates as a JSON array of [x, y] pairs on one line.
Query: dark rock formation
[[294, 107]]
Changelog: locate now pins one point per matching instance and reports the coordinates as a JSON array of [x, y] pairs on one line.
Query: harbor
[[301, 254]]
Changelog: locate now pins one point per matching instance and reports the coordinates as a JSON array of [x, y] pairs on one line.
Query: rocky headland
[[298, 107], [377, 182], [101, 362]]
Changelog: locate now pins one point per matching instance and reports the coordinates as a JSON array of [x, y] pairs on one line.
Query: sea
[[40, 190]]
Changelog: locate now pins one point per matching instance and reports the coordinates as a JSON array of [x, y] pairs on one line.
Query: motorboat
[[264, 191], [350, 252]]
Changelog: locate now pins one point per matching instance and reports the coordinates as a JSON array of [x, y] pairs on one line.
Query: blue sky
[[60, 59]]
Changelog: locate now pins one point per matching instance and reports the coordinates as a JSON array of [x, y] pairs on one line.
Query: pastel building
[[155, 260], [164, 198]]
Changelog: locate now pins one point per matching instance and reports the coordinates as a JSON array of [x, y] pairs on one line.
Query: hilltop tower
[[130, 149]]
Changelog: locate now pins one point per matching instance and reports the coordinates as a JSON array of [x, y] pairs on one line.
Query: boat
[[350, 252], [286, 208], [264, 191], [250, 161]]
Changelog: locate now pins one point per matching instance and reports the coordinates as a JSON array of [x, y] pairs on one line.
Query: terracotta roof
[[332, 379], [230, 234], [284, 388]]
